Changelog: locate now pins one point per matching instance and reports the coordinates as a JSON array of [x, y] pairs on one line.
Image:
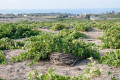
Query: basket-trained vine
[[2, 56], [105, 25], [6, 43], [58, 26], [72, 33], [40, 47], [111, 58], [15, 30], [83, 26], [111, 38]]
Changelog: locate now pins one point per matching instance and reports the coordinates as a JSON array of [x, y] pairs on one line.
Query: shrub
[[111, 58], [105, 25], [83, 26], [40, 47], [72, 33], [6, 43], [16, 30], [111, 38], [2, 56], [58, 26]]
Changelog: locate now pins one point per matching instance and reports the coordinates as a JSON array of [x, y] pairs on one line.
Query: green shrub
[[16, 30], [6, 43], [72, 33], [40, 47], [83, 27], [103, 25], [58, 27], [111, 38], [107, 24], [2, 56], [113, 78], [111, 58]]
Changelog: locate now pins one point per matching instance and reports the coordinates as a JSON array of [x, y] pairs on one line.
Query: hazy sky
[[58, 4]]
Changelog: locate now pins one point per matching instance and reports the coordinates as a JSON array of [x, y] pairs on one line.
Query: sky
[[58, 4]]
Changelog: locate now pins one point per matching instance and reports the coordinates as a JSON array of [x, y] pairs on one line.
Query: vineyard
[[30, 47]]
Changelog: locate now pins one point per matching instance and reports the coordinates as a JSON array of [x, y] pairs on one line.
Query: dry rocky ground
[[20, 70]]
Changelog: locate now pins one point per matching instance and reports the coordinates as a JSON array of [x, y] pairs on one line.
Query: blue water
[[72, 11]]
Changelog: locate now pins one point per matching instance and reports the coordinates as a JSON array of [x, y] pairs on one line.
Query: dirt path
[[20, 40], [93, 38], [93, 35], [10, 53], [47, 30]]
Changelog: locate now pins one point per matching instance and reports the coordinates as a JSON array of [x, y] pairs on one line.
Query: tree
[[87, 16]]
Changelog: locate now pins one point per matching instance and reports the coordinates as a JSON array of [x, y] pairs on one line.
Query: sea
[[71, 11]]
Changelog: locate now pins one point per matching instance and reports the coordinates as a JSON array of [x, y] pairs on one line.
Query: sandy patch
[[47, 30], [93, 34], [20, 40]]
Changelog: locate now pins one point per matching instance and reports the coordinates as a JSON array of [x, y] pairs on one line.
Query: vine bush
[[6, 43], [111, 38], [15, 31], [58, 26], [111, 58], [2, 56], [40, 47]]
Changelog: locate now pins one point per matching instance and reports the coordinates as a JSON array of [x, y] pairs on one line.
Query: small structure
[[25, 15], [83, 15], [95, 18]]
